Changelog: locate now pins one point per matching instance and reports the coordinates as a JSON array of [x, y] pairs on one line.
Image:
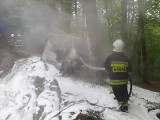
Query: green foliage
[[152, 29], [68, 5], [109, 17]]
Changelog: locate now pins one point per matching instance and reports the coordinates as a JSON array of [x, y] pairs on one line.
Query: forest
[[53, 60], [91, 26]]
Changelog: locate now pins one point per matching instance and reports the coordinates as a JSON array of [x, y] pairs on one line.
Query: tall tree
[[124, 30], [124, 19], [76, 15], [90, 10], [142, 39]]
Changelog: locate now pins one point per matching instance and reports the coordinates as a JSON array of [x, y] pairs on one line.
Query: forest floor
[[153, 85]]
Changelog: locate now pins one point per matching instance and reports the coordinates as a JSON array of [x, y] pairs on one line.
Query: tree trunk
[[76, 16], [90, 10], [68, 15], [142, 39], [131, 26], [92, 25], [109, 22], [124, 20]]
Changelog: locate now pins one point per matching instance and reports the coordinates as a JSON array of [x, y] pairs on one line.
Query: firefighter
[[118, 66], [1, 33], [3, 41]]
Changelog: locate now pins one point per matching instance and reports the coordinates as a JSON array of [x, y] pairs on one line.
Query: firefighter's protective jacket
[[118, 65]]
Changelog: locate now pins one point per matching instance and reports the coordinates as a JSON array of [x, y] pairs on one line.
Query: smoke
[[34, 20], [38, 22]]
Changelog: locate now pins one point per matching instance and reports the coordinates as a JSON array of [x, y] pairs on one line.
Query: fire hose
[[103, 69]]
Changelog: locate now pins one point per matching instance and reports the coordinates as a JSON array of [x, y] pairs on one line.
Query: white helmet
[[12, 35], [118, 46]]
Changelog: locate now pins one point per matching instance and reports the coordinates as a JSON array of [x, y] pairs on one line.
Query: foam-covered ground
[[18, 99]]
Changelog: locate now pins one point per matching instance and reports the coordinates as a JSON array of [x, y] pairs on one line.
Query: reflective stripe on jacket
[[118, 82]]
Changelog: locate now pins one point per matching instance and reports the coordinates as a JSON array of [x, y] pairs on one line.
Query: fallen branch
[[55, 115]]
